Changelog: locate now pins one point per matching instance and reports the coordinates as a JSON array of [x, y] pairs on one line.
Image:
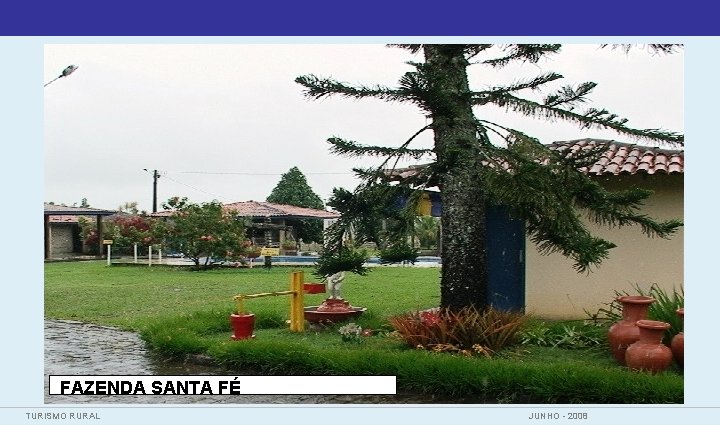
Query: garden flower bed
[[182, 315]]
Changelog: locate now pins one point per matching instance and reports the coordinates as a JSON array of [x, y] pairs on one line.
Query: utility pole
[[156, 176]]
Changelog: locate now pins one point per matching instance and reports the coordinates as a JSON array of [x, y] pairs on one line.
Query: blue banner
[[367, 18]]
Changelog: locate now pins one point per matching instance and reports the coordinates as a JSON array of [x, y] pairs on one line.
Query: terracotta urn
[[649, 353], [677, 345], [242, 325], [625, 332]]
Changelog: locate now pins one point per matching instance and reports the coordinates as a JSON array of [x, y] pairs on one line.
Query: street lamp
[[67, 71]]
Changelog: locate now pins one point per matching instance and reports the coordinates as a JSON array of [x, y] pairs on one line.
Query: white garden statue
[[334, 281]]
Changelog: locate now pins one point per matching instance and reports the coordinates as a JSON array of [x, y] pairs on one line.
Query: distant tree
[[83, 204], [129, 207], [205, 233], [293, 189]]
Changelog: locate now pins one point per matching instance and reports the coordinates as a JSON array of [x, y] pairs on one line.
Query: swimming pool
[[427, 261]]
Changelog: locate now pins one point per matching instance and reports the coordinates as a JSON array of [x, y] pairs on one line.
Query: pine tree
[[542, 186], [293, 189]]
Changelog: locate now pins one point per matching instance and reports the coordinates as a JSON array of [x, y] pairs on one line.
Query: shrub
[[468, 329], [205, 233], [563, 335], [348, 259], [398, 253]]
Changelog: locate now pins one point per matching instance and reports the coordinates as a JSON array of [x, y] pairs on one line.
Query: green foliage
[[373, 214], [88, 291], [547, 183], [530, 375], [366, 215], [474, 160], [345, 260], [130, 208], [449, 378], [182, 313], [124, 229], [426, 230], [137, 229], [564, 335], [205, 232], [664, 309], [88, 233], [486, 331], [293, 189], [399, 252]]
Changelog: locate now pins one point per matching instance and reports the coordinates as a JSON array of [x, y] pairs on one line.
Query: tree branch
[[592, 118]]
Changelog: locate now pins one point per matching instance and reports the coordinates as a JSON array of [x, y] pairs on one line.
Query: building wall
[[61, 239], [555, 290]]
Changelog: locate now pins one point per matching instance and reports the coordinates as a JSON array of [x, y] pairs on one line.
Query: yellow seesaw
[[297, 303]]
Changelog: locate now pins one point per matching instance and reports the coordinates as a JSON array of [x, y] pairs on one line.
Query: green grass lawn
[[181, 313], [130, 296]]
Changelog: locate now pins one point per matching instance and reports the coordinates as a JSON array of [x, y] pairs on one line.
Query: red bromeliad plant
[[466, 330]]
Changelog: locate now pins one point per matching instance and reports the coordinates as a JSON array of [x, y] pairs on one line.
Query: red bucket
[[242, 325]]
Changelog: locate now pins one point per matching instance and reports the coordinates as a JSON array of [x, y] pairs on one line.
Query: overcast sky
[[225, 121]]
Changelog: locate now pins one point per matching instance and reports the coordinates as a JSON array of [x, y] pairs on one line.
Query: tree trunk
[[464, 277]]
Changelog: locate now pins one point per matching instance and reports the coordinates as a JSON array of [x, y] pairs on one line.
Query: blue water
[[311, 259]]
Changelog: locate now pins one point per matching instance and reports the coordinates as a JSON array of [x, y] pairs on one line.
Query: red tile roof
[[268, 209], [52, 209], [619, 158], [65, 214], [627, 158]]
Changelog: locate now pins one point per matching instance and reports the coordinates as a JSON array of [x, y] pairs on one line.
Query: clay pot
[[625, 332], [649, 353], [242, 325], [677, 345]]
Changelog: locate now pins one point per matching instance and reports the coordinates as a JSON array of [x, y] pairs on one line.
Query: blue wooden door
[[505, 257], [505, 254]]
